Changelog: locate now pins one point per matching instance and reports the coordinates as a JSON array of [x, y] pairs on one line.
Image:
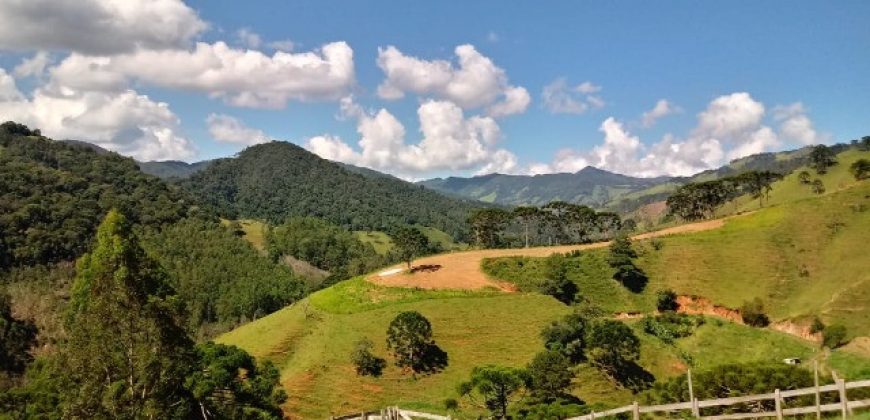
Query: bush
[[818, 186], [834, 336], [666, 301], [860, 169], [817, 326], [753, 313], [366, 363], [549, 376], [563, 290], [671, 326]]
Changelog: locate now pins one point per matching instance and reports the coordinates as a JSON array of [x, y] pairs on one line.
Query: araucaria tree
[[126, 355], [613, 348], [410, 243], [497, 386], [409, 339]]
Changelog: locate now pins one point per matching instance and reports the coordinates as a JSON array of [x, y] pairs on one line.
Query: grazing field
[[383, 243]]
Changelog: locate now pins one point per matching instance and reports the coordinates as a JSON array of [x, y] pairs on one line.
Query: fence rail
[[391, 413], [844, 406]]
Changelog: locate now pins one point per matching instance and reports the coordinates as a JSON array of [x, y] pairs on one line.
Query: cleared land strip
[[461, 270]]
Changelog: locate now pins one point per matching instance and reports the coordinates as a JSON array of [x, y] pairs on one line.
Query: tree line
[[556, 223]]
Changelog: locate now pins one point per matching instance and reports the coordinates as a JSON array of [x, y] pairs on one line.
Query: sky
[[426, 89]]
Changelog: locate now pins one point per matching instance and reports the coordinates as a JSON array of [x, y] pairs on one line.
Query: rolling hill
[[803, 256], [275, 180]]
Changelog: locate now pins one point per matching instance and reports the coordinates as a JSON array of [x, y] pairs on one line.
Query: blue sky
[[736, 77]]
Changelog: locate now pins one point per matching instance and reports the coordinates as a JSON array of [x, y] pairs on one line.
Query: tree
[[567, 336], [229, 384], [666, 301], [16, 339], [753, 314], [562, 289], [860, 169], [409, 338], [497, 386], [612, 345], [126, 355], [805, 178], [549, 376], [864, 143], [818, 187], [410, 243], [822, 158], [758, 183], [621, 258], [834, 336], [365, 362], [486, 225], [526, 215]]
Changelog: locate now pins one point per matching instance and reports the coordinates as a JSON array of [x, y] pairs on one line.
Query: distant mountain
[[275, 180], [167, 169], [590, 186]]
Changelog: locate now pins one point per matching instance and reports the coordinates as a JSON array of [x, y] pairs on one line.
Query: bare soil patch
[[461, 270]]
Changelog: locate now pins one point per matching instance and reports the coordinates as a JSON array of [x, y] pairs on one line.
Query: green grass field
[[383, 244]]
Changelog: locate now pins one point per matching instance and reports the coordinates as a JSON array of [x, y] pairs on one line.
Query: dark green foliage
[[276, 180], [864, 143], [173, 169], [53, 195], [805, 178], [817, 326], [557, 410], [562, 289], [860, 169], [821, 158], [549, 376], [494, 388], [834, 336], [229, 384], [753, 313], [612, 347], [567, 336], [666, 301], [126, 355], [16, 339], [409, 339], [410, 243], [366, 362], [757, 183], [818, 186], [219, 277], [621, 259], [487, 225], [670, 326], [700, 200], [323, 245], [732, 380]]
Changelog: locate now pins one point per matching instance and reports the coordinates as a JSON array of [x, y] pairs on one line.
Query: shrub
[[834, 336], [818, 186], [753, 313], [366, 363], [670, 326], [817, 326], [805, 178], [562, 289], [860, 169], [549, 375], [666, 300]]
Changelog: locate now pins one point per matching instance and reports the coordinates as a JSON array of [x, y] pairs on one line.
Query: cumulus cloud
[[662, 109], [794, 124], [124, 121], [731, 127], [227, 129], [97, 26], [474, 82], [450, 141], [245, 78], [33, 66], [249, 38], [559, 98]]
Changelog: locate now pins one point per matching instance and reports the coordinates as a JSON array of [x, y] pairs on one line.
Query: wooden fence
[[844, 406], [391, 413]]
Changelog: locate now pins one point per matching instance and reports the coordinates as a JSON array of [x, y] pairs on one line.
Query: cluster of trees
[[127, 355], [542, 388], [555, 223], [277, 180], [324, 245], [621, 258], [700, 200], [409, 341]]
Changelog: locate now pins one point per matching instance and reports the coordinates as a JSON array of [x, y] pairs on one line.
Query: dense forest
[[277, 180]]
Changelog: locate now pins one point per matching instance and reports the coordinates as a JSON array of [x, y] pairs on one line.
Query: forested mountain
[[589, 186], [173, 168], [276, 180]]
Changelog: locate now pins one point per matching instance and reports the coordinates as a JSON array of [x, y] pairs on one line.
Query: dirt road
[[461, 270]]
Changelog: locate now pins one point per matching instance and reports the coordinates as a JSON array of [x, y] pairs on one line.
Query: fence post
[[592, 415], [818, 396], [844, 402], [778, 403], [695, 411], [635, 411]]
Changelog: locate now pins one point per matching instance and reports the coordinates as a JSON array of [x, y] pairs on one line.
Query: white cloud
[[249, 38], [559, 98], [123, 121], [475, 82], [97, 26], [227, 129], [662, 109], [33, 66], [8, 90], [731, 127], [450, 141], [285, 45], [795, 125], [245, 78]]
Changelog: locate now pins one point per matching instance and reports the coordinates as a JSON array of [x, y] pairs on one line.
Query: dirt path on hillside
[[461, 270]]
